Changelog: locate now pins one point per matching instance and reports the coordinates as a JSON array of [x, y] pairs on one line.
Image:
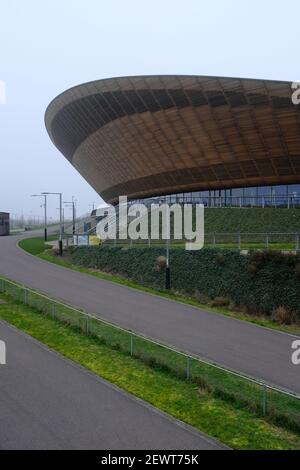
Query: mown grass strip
[[36, 245], [191, 403]]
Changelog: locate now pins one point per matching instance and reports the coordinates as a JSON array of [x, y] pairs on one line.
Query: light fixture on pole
[[168, 273], [72, 203], [60, 242], [45, 213]]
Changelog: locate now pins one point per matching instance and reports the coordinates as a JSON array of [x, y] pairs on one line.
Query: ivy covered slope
[[262, 281]]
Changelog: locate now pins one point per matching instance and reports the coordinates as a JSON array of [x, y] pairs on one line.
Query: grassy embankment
[[38, 247], [221, 416]]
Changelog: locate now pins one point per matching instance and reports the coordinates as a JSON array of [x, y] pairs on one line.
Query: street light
[[60, 242], [168, 274], [72, 203], [45, 209]]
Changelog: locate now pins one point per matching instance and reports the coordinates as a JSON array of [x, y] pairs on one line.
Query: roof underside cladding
[[235, 130]]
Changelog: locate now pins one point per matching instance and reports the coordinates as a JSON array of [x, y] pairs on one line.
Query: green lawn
[[36, 245], [252, 220], [227, 420], [228, 246]]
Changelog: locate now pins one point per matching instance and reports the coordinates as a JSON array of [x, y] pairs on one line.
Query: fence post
[[239, 241], [2, 285], [131, 345], [264, 400], [297, 241], [267, 240], [214, 239], [53, 310], [87, 329], [25, 296], [188, 368]]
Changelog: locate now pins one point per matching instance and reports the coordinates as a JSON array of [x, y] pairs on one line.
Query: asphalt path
[[48, 402], [246, 348]]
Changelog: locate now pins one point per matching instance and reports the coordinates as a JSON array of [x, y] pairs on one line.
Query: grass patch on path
[[42, 251], [36, 245], [236, 427]]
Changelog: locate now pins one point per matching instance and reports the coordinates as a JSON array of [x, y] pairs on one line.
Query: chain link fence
[[278, 406]]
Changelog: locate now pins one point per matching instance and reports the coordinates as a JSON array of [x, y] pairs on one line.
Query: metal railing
[[275, 404], [228, 240], [264, 240], [280, 201]]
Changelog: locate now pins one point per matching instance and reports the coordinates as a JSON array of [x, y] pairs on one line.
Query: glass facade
[[262, 196]]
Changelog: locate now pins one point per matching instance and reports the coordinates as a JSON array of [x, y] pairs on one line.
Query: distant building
[[4, 223]]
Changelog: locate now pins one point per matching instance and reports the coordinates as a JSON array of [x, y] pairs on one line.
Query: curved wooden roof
[[153, 135]]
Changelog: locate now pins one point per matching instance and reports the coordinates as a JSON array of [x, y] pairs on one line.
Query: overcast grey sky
[[49, 46]]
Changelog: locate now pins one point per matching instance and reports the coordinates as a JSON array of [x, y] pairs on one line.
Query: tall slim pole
[[60, 243], [168, 277], [73, 209], [44, 195], [45, 230]]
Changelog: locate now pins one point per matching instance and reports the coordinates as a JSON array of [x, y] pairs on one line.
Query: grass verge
[[230, 422], [37, 246]]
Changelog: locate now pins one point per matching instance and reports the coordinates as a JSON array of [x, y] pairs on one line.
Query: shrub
[[220, 258], [220, 302], [160, 263], [282, 316], [297, 270]]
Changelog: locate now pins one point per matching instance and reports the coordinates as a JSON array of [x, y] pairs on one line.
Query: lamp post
[[168, 274], [72, 203], [92, 206], [60, 242], [45, 213]]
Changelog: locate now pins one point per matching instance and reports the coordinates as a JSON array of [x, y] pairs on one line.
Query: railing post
[[188, 368], [131, 345], [239, 241], [264, 400], [267, 240]]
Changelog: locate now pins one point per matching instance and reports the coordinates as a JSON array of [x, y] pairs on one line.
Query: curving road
[[244, 347], [48, 402]]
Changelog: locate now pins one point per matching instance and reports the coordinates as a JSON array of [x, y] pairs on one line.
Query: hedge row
[[261, 281]]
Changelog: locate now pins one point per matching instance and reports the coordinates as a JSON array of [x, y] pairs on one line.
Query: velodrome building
[[220, 141]]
